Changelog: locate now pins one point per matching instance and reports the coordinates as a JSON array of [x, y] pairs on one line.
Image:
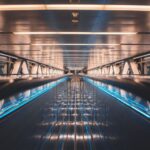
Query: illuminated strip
[[75, 33], [138, 107], [12, 108], [74, 44], [84, 7]]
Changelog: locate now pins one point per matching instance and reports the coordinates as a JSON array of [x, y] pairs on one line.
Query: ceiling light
[[75, 14], [90, 7], [19, 50], [11, 80], [75, 21], [30, 78], [75, 44], [75, 33]]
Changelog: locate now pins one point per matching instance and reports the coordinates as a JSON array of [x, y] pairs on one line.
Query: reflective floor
[[12, 103], [75, 116], [135, 102], [75, 119]]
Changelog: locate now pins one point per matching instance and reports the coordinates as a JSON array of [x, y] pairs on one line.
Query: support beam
[[136, 66], [18, 67]]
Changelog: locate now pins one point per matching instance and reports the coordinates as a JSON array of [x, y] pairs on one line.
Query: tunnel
[[74, 75]]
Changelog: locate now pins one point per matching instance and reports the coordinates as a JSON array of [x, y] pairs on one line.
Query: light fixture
[[19, 50], [75, 20], [74, 33], [137, 80], [75, 44], [30, 78], [75, 14], [80, 7], [42, 77], [11, 80]]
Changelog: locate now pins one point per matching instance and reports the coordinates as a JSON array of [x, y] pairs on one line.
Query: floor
[[74, 116]]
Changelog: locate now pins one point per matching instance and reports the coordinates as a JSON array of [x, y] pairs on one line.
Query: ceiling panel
[[88, 21]]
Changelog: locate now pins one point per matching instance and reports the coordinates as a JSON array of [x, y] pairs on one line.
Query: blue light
[[21, 99], [127, 99]]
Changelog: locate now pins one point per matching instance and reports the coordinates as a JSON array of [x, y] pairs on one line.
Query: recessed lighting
[[87, 7], [75, 33]]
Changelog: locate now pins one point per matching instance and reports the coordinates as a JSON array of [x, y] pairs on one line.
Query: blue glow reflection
[[140, 105], [12, 103]]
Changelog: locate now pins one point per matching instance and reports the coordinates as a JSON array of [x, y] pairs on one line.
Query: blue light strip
[[129, 101], [10, 108]]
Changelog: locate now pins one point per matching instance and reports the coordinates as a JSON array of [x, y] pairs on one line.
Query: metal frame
[[19, 67], [136, 66]]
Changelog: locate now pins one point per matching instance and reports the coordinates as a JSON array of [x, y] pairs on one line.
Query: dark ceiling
[[88, 21]]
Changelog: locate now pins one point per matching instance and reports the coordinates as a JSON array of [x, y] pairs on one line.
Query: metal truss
[[136, 66], [12, 66]]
